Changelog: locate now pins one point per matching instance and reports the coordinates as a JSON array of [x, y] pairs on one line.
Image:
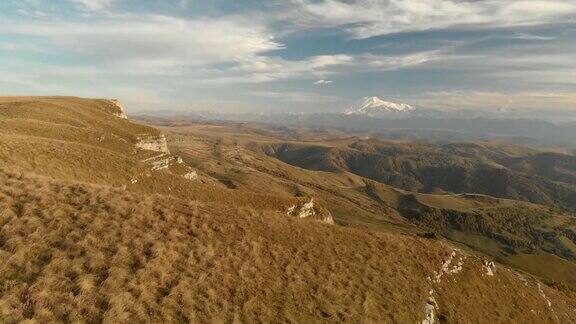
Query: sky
[[293, 55]]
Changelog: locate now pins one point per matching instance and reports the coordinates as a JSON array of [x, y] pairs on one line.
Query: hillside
[[75, 252], [542, 178], [105, 219], [499, 228], [85, 140]]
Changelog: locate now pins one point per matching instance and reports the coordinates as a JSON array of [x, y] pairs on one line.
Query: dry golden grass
[[220, 156], [167, 249], [72, 252], [78, 139], [91, 114], [546, 266]]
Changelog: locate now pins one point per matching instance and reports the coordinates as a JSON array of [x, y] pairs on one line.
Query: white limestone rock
[[153, 143], [192, 175], [489, 268], [309, 210], [116, 103]]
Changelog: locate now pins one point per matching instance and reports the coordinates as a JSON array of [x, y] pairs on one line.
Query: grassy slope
[[493, 226], [546, 265], [69, 138], [79, 139], [75, 252], [214, 153]]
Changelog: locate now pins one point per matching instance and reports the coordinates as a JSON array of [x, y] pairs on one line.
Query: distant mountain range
[[376, 107], [393, 120]]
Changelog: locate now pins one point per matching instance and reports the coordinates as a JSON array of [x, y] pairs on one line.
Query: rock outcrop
[[120, 109], [192, 175], [153, 143], [312, 211], [159, 162]]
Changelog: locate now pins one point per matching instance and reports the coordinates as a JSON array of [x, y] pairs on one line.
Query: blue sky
[[293, 55]]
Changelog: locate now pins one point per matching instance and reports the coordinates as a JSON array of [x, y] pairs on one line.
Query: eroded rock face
[[116, 103], [312, 211], [153, 143], [161, 163]]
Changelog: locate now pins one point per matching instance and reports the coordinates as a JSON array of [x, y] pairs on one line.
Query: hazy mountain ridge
[[422, 124]]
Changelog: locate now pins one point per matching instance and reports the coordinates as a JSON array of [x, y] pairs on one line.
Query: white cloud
[[301, 97], [521, 65], [212, 52], [396, 62], [15, 46], [504, 101], [93, 5], [366, 18], [258, 69], [528, 36], [150, 41]]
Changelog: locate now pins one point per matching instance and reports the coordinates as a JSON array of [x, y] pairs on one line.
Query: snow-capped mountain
[[374, 106]]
